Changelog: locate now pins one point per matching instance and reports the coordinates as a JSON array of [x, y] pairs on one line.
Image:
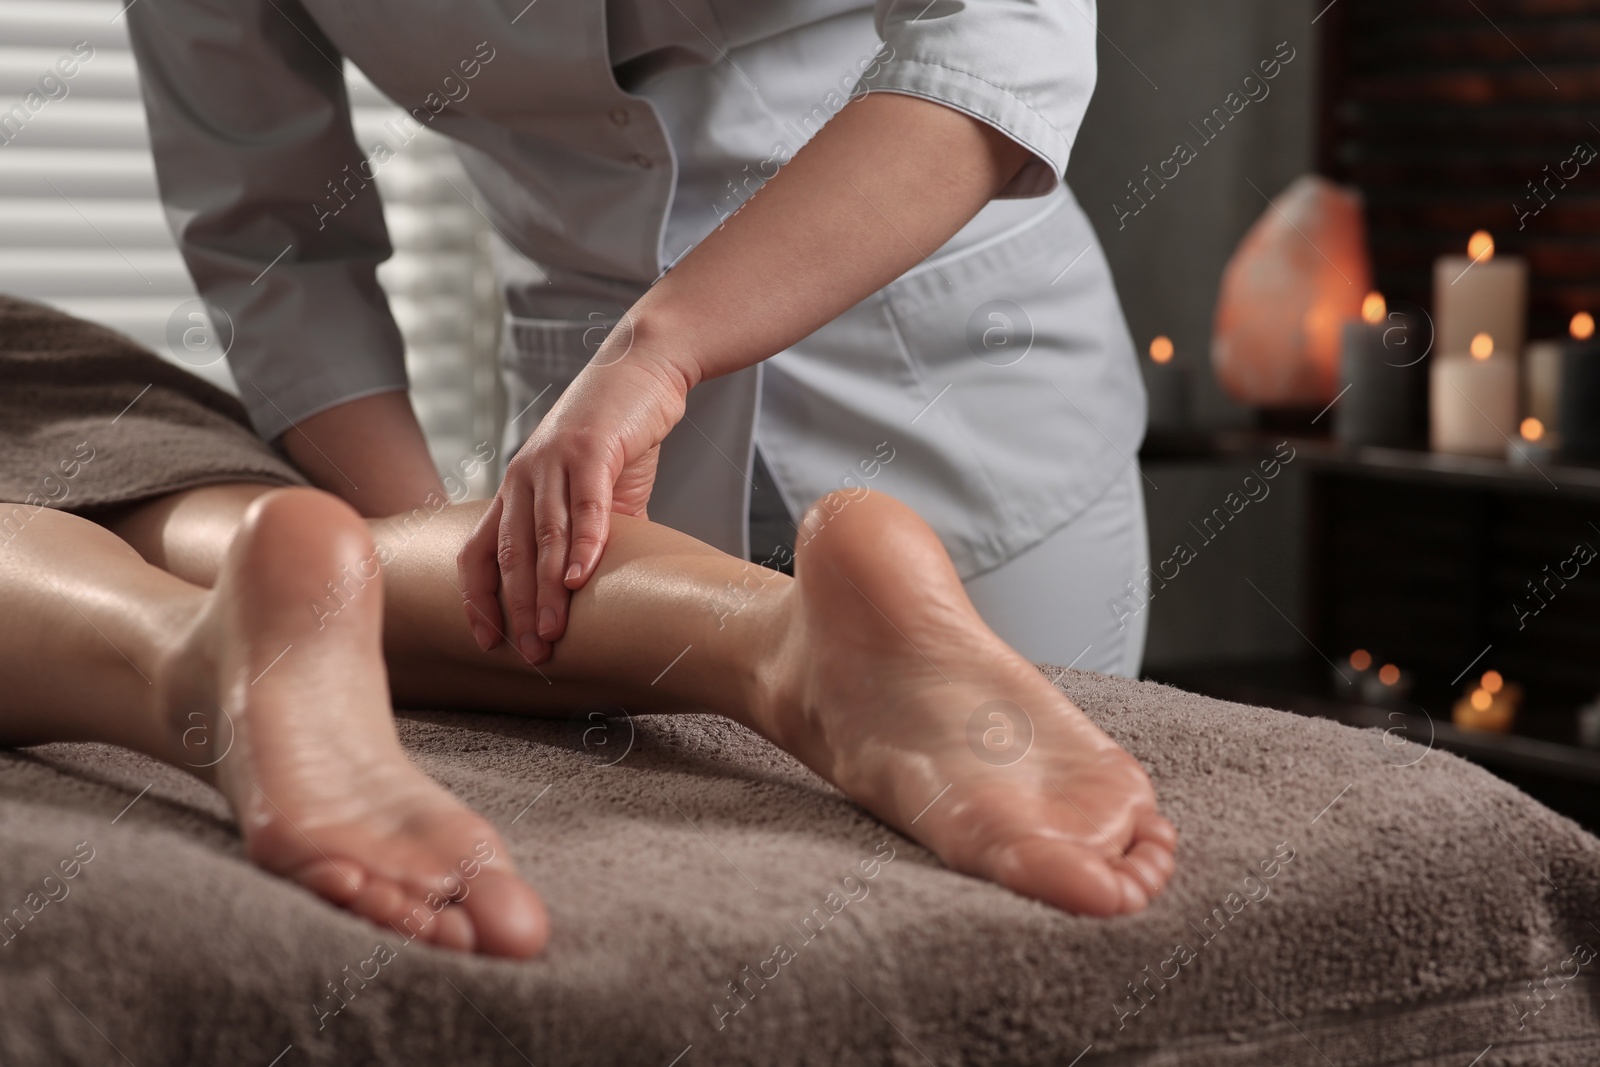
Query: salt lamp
[[1299, 273]]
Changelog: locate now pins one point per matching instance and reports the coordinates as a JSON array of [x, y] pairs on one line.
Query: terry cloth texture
[[88, 419], [1341, 899]]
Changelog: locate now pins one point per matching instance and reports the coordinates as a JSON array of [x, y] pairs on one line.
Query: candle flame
[[1481, 699], [1481, 247], [1361, 659], [1482, 346], [1373, 307], [1532, 429], [1388, 674], [1161, 349], [1492, 681], [1582, 327]]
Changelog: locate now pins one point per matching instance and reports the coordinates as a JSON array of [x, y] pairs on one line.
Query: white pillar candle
[[1479, 293], [1473, 400]]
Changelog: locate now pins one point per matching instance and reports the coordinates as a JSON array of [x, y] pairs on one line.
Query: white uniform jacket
[[993, 387]]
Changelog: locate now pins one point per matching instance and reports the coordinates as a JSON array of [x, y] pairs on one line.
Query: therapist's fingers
[[517, 553], [589, 500], [478, 570], [552, 528]]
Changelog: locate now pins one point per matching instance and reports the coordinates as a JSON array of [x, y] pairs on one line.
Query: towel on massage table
[[1340, 898]]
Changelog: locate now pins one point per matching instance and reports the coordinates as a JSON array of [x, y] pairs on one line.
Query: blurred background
[[1432, 587], [1442, 571]]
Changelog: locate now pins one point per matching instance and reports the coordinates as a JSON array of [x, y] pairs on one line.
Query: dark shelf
[[1446, 566], [1394, 464], [1290, 686], [1559, 774]]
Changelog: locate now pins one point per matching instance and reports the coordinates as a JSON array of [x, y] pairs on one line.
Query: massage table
[[1342, 897]]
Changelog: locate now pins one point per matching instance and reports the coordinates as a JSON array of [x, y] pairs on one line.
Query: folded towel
[[88, 419], [1340, 898]]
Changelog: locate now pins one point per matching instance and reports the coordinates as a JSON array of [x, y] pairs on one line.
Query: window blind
[[81, 225]]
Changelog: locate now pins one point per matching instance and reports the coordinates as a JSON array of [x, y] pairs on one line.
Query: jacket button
[[620, 116], [643, 162]]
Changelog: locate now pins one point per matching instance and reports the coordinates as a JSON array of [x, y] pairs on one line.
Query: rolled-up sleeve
[[250, 125], [1026, 67]]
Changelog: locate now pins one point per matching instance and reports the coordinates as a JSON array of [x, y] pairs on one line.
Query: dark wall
[[1456, 117], [1163, 66]]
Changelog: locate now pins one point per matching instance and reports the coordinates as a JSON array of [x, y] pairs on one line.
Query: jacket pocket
[[539, 358], [1022, 339]]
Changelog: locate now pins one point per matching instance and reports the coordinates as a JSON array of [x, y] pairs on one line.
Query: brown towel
[[1341, 899], [88, 419]]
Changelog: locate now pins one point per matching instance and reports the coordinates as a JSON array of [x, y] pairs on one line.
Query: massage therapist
[[744, 245]]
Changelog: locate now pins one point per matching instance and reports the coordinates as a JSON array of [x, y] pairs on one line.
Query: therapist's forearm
[[879, 188], [370, 451]]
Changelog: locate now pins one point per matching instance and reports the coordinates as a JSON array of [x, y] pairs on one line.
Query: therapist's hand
[[594, 453], [888, 180]]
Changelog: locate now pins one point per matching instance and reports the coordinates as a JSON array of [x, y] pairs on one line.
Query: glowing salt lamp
[[1299, 274]]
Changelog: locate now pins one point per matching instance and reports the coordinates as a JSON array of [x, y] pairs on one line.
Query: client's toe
[[508, 917], [1062, 874]]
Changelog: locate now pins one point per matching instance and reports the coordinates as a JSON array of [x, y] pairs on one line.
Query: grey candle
[[1380, 378], [1166, 388], [1580, 392]]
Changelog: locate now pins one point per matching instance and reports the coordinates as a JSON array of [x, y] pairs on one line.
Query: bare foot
[[283, 703], [904, 699]]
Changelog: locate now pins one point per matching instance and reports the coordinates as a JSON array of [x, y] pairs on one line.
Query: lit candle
[[1473, 400], [1541, 372], [1490, 705], [1350, 680], [1380, 379], [1166, 386], [1387, 686], [1479, 293], [1533, 446], [1579, 403]]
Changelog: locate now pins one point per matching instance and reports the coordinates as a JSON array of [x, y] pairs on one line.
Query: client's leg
[[242, 686], [871, 665]]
